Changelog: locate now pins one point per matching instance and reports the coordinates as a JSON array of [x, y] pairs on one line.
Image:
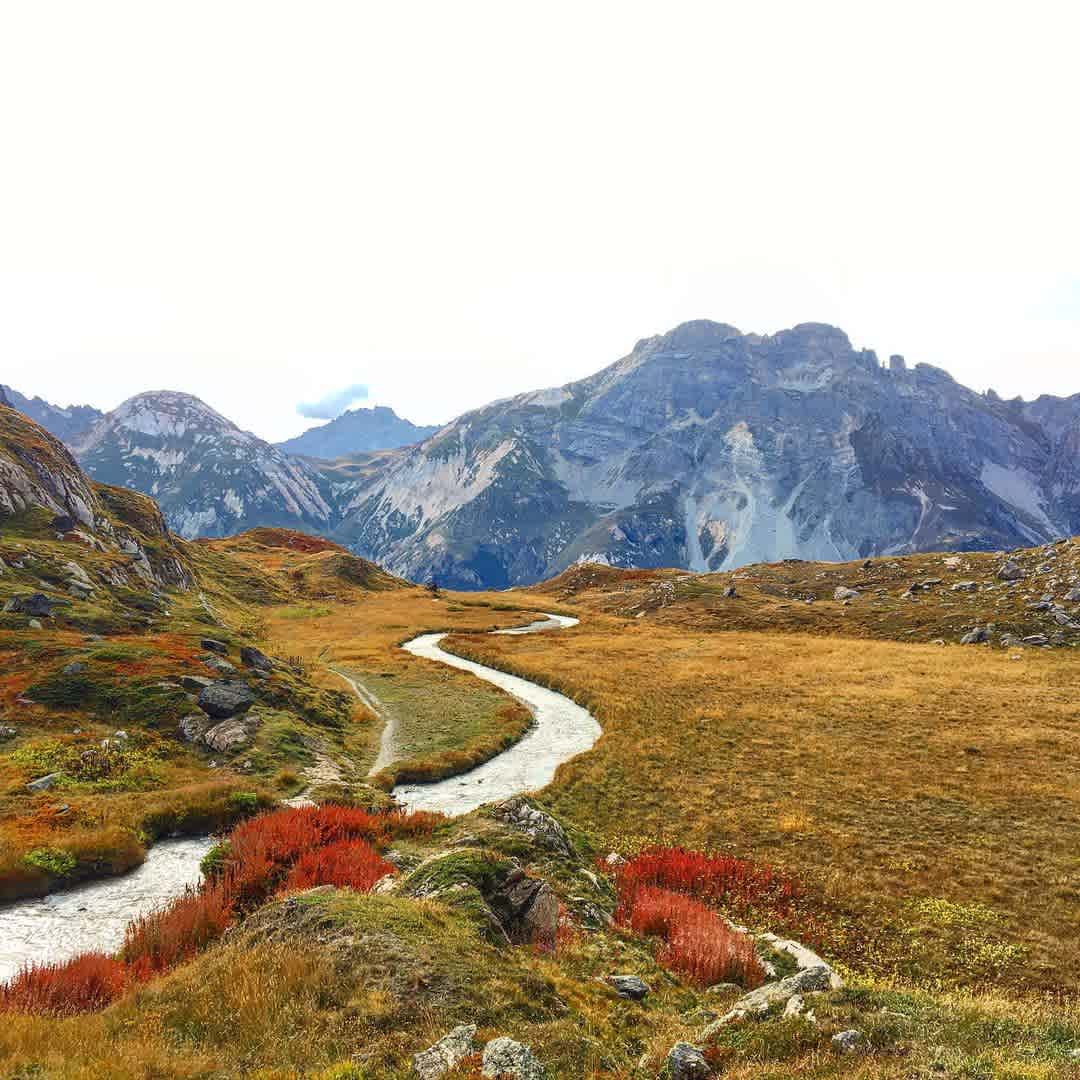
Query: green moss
[[51, 861]]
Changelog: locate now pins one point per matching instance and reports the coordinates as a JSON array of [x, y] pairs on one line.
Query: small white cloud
[[333, 404]]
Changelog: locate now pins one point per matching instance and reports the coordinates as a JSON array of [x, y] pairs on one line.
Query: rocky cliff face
[[357, 431], [209, 477], [43, 491], [707, 448]]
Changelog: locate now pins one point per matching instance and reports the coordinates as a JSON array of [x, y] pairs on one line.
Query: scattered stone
[[7, 732], [220, 665], [1011, 570], [76, 667], [36, 604], [1036, 639], [255, 659], [764, 999], [844, 593], [630, 987], [976, 636], [730, 593], [537, 825], [221, 700], [231, 734], [44, 783], [436, 1061], [214, 646], [850, 1042], [195, 683], [505, 1058], [1073, 596], [35, 624], [613, 858], [686, 1062], [191, 728], [966, 586]]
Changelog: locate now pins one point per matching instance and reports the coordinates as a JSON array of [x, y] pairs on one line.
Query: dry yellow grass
[[882, 773]]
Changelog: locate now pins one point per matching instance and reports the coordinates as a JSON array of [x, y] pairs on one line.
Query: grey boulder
[[503, 1057], [686, 1062], [629, 986], [436, 1061], [220, 700]]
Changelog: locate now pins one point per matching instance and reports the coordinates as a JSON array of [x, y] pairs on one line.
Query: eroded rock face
[[528, 909], [707, 448]]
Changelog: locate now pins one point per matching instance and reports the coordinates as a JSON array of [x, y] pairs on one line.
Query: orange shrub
[[351, 864], [83, 984]]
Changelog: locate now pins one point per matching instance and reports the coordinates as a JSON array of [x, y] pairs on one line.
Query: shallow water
[[563, 729], [93, 916]]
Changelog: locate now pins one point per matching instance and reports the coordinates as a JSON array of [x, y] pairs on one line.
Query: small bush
[[350, 864], [83, 984], [51, 861]]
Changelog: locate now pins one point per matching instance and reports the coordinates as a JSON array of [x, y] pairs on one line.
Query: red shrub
[[349, 864], [700, 945], [294, 848], [720, 879], [156, 942], [87, 982]]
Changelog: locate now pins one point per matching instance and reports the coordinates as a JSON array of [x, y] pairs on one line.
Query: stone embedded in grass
[[843, 593], [44, 783], [255, 659], [221, 700], [976, 636], [231, 734], [537, 825], [630, 987], [503, 1057], [214, 646], [1011, 570], [850, 1042], [774, 997], [686, 1062], [436, 1061]]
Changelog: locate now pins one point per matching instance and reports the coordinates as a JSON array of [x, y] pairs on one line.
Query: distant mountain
[[209, 477], [357, 431], [706, 449], [68, 425]]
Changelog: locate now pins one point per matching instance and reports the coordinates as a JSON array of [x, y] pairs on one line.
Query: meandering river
[[94, 916]]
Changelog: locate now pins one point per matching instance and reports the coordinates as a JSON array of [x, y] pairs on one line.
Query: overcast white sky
[[261, 203]]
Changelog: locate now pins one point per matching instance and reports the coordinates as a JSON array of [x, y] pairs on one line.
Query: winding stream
[[94, 916], [563, 729]]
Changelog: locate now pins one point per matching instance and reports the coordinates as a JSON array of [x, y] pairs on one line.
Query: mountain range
[[703, 448]]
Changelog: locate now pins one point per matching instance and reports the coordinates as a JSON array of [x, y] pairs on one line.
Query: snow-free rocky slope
[[707, 448], [357, 431], [209, 477]]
